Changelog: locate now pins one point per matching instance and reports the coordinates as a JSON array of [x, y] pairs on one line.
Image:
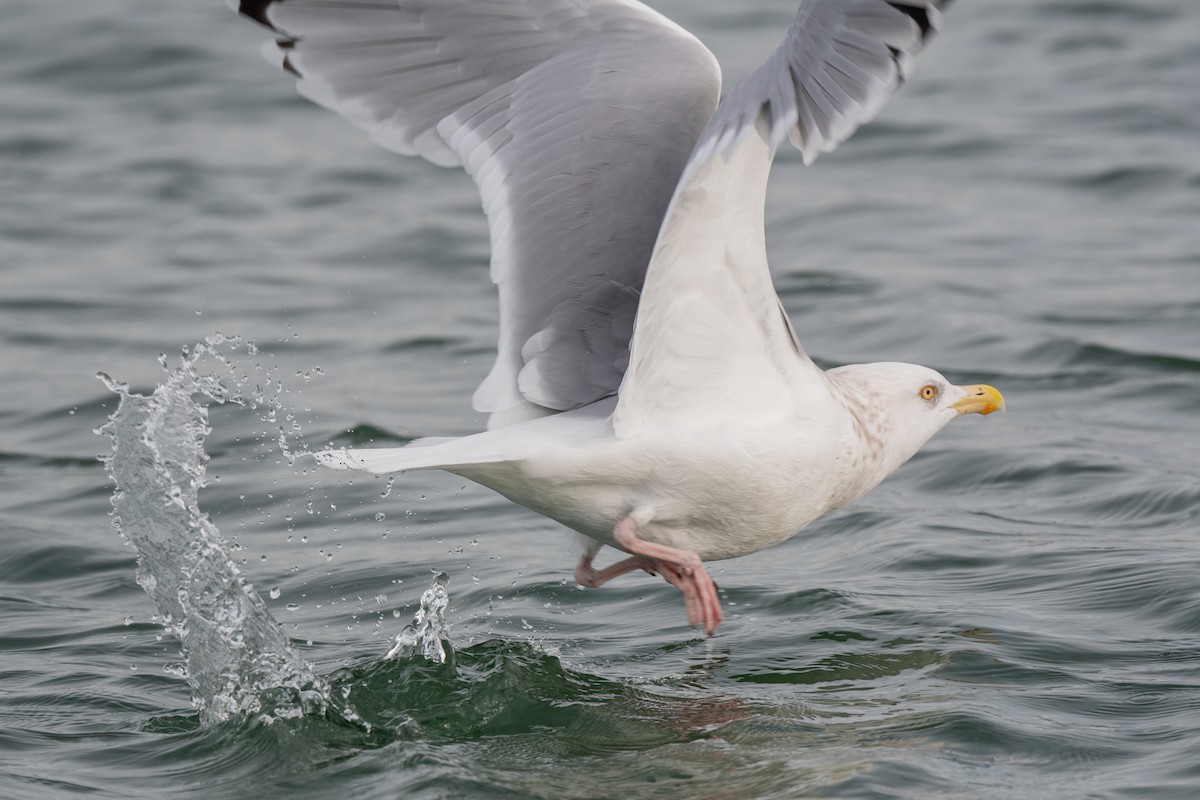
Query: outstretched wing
[[711, 342], [574, 117]]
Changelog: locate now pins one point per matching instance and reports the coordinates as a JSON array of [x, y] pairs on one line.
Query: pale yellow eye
[[928, 392]]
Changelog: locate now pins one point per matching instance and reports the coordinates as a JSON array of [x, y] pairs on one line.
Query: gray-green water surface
[[1016, 613]]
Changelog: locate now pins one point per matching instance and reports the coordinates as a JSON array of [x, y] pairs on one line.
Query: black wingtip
[[257, 11], [286, 43], [919, 15]]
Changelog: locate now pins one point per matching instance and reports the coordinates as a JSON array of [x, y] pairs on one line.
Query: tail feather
[[434, 452], [582, 427]]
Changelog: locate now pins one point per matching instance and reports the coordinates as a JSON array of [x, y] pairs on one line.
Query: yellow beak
[[980, 399]]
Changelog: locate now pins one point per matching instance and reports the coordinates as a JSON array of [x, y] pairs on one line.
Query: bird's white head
[[896, 408]]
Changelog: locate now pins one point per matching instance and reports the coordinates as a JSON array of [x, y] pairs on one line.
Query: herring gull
[[649, 391]]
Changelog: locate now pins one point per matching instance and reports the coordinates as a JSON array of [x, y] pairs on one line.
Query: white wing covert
[[712, 343], [575, 119]]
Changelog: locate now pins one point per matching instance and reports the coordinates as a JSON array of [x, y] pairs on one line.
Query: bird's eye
[[929, 392]]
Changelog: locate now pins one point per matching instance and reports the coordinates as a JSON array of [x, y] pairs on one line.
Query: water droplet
[[173, 441], [292, 607], [380, 516]]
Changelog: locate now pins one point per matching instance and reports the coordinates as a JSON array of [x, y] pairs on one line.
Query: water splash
[[428, 633], [236, 657]]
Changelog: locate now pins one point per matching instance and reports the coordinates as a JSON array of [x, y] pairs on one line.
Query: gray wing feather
[[837, 67], [575, 119]]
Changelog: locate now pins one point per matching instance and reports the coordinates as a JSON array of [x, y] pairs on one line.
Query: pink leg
[[680, 568], [587, 575]]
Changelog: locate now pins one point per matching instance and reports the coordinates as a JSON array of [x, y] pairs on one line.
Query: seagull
[[649, 390]]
